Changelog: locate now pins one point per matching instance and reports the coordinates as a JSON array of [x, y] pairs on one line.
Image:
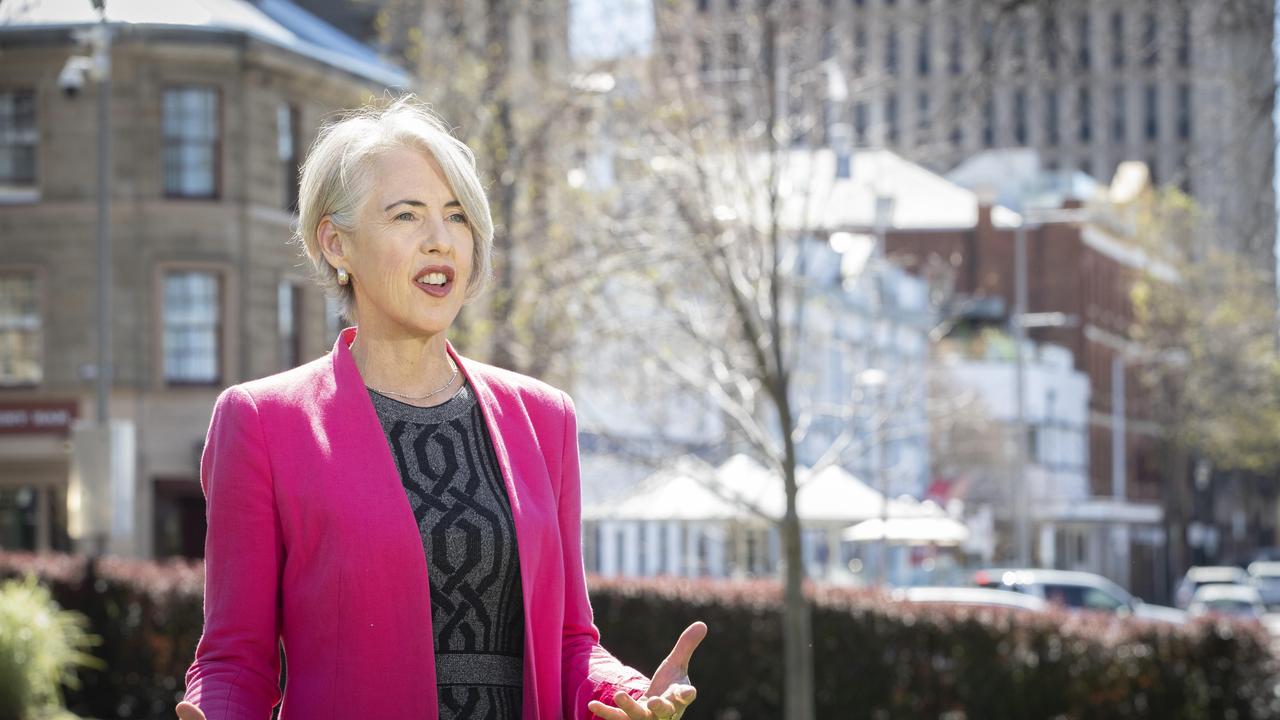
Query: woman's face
[[410, 234]]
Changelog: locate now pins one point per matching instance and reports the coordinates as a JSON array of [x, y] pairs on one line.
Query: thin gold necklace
[[437, 391], [419, 399]]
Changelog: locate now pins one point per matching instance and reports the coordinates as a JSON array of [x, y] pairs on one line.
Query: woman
[[467, 601]]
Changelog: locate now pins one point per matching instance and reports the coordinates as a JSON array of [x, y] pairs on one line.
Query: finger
[[187, 711], [635, 711], [661, 707], [688, 642], [601, 710], [680, 695]]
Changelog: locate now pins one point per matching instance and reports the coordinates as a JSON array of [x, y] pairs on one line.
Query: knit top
[[451, 476]]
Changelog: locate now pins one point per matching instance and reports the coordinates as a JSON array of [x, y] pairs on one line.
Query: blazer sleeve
[[589, 672], [236, 672]]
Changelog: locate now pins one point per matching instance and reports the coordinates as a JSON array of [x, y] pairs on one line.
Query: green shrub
[[40, 646], [873, 658]]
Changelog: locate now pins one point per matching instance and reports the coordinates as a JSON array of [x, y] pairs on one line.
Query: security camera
[[73, 74]]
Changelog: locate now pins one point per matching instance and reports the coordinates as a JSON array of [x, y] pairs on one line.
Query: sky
[[600, 29]]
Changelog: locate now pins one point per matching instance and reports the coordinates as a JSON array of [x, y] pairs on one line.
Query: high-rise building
[[1185, 87]]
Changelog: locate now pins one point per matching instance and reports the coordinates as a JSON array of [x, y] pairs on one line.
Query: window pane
[[192, 305], [21, 335], [17, 137], [191, 141]]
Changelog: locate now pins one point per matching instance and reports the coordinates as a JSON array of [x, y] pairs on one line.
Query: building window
[[860, 124], [923, 41], [1184, 37], [1117, 39], [1152, 115], [924, 118], [1086, 166], [859, 50], [1150, 40], [733, 44], [891, 52], [289, 318], [1051, 135], [989, 123], [192, 142], [1018, 44], [704, 55], [1184, 112], [21, 330], [192, 327], [18, 139], [1086, 114], [1118, 98], [1085, 54], [955, 50], [1020, 116], [287, 153], [1050, 41], [891, 119], [957, 131]]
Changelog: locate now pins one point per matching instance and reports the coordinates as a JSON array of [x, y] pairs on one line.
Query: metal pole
[[102, 61], [1021, 505]]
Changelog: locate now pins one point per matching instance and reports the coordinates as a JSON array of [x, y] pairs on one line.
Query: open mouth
[[437, 282]]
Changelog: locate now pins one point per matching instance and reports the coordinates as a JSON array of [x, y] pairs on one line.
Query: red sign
[[37, 417]]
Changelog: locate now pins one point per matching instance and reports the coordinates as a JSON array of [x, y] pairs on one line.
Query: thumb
[[677, 661], [187, 711]]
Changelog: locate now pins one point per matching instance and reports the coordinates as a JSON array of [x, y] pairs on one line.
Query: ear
[[330, 240]]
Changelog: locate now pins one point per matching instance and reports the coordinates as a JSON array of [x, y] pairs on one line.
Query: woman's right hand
[[187, 711]]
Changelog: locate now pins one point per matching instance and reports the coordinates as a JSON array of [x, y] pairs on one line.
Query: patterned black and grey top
[[450, 472]]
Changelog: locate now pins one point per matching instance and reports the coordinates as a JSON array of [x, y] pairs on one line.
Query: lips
[[435, 280]]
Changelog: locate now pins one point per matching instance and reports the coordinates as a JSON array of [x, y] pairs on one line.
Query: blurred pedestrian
[[405, 519]]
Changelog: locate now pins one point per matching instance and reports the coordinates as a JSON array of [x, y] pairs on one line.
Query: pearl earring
[[343, 276]]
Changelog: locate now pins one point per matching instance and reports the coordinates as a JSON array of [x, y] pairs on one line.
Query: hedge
[[874, 658]]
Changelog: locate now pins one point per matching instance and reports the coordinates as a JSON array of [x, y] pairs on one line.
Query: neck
[[406, 364]]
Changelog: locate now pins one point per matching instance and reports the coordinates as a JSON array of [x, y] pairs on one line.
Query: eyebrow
[[419, 203]]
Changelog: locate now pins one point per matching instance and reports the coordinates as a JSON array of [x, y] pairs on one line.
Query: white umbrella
[[910, 531]]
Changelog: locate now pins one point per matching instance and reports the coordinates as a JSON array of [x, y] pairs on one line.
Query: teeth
[[435, 278]]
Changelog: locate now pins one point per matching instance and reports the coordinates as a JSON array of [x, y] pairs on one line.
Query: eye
[[458, 217], [405, 215]]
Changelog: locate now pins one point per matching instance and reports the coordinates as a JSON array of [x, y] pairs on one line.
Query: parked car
[[970, 597], [1075, 589], [1238, 601], [1265, 575], [1208, 575]]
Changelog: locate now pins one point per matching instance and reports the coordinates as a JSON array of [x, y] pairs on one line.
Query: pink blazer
[[312, 541]]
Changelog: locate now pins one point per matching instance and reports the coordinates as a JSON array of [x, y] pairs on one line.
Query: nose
[[436, 237]]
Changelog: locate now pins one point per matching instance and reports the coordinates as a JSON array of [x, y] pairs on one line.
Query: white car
[[1265, 575], [1238, 601], [1076, 590], [1208, 575]]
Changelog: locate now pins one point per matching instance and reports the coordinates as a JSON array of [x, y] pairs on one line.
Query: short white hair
[[335, 181]]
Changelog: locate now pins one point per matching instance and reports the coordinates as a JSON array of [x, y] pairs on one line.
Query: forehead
[[407, 173]]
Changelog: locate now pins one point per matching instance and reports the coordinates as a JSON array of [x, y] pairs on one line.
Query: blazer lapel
[[524, 518]]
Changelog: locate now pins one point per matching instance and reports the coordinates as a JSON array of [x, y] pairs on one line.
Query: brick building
[[1084, 266], [210, 114]]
